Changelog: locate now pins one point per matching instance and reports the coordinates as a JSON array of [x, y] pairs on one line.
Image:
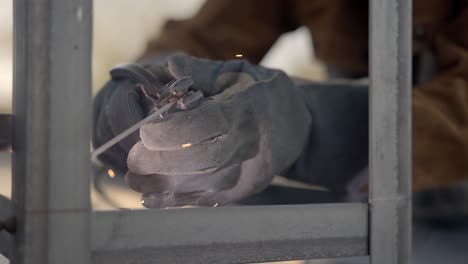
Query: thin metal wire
[[129, 131]]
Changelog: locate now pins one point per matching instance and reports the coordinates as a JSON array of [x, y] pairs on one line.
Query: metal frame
[[230, 234], [52, 125], [52, 96], [390, 131]]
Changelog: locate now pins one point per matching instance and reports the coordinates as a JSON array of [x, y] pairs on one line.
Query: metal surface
[[390, 130], [230, 234], [52, 96]]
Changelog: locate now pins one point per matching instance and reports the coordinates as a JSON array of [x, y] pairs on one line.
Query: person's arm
[[224, 28], [440, 112]]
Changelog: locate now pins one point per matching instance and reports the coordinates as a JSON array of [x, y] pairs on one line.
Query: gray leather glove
[[336, 153], [253, 125]]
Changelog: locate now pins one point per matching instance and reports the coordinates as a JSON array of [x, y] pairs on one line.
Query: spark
[[186, 145], [111, 173]]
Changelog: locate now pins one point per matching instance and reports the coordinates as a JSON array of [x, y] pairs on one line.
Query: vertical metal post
[[52, 95], [390, 130]]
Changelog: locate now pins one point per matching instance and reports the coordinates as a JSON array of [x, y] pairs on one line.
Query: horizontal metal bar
[[230, 234]]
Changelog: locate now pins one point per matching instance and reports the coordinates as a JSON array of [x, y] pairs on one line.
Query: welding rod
[[129, 131]]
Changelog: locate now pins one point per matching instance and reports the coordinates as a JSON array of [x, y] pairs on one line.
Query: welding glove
[[253, 124], [335, 155]]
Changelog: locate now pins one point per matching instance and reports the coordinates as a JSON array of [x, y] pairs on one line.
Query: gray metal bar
[[230, 234], [52, 96], [390, 130]]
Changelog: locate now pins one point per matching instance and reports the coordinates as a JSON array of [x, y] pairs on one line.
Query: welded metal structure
[[51, 202]]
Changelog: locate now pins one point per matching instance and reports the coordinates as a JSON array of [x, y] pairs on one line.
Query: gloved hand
[[336, 153], [253, 125]]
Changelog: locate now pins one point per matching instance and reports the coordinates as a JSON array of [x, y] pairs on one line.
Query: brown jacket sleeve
[[224, 28], [440, 112]]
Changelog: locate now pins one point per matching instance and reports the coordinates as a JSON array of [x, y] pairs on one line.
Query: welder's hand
[[252, 125]]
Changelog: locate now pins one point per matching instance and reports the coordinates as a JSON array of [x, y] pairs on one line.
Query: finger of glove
[[185, 128], [203, 72], [160, 71], [217, 180], [201, 158], [201, 125], [124, 110]]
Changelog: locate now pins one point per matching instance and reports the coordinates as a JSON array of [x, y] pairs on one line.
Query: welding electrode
[[159, 93]]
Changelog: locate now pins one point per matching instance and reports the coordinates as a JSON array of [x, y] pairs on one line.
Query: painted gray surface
[[390, 131], [52, 95], [230, 234], [431, 245]]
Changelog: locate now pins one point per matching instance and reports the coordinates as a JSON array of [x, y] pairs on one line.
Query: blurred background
[[123, 27], [121, 30]]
